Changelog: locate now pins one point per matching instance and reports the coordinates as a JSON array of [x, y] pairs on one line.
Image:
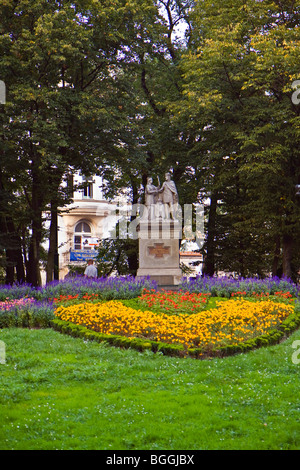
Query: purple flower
[[224, 286]]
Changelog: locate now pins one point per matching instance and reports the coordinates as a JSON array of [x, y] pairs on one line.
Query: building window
[[82, 236], [87, 188]]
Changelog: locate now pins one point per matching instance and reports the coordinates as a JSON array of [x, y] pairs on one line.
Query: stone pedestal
[[159, 251]]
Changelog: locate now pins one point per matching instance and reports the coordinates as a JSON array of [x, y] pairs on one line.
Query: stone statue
[[169, 196], [151, 192], [161, 203], [151, 198]]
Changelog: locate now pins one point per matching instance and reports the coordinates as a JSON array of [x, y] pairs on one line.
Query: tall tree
[[238, 85], [58, 60]]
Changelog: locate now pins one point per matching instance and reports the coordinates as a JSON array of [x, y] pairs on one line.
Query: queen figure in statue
[[161, 203], [151, 198]]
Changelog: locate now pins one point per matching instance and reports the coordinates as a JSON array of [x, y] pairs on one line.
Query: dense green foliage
[[238, 86]]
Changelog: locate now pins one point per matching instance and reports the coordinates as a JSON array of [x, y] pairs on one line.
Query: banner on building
[[83, 255]]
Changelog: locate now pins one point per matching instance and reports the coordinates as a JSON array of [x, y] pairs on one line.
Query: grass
[[58, 392]]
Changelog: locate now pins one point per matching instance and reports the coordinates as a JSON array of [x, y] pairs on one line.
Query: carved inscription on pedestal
[[159, 250]]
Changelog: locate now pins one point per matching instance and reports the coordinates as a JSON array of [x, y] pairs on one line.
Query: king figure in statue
[[169, 197]]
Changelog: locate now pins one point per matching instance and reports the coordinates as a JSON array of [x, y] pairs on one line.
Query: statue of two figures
[[161, 202]]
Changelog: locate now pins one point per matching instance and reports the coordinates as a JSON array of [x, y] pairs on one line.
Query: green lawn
[[57, 392]]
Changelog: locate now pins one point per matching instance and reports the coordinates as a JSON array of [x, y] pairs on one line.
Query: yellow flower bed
[[231, 322]]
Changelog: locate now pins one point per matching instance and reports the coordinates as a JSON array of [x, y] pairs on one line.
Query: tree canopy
[[238, 77]]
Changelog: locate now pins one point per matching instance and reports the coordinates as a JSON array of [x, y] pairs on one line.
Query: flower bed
[[173, 302], [22, 305], [224, 287], [106, 288], [230, 323], [10, 304], [131, 313], [26, 312]]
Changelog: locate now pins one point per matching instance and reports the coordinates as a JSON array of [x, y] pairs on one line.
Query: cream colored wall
[[90, 210]]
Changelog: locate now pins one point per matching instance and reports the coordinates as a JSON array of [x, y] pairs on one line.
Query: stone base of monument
[[159, 251]]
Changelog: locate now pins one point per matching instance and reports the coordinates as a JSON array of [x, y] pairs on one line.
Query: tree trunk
[[287, 255], [38, 197], [11, 243], [14, 256], [276, 256], [33, 273], [52, 260], [10, 240]]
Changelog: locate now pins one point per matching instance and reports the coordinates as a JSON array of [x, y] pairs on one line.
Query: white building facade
[[82, 224]]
